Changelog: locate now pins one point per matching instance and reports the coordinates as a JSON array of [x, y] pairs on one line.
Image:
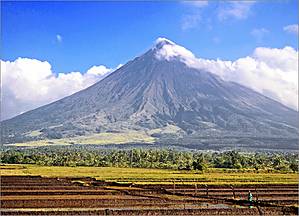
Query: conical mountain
[[153, 92]]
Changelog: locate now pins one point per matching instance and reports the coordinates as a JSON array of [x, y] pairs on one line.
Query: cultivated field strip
[[35, 195]]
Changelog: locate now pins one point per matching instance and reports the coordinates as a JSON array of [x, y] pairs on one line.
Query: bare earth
[[35, 195]]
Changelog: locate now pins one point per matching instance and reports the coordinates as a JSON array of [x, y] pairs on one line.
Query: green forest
[[152, 158]]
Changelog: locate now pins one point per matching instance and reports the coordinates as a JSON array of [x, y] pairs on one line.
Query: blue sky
[[73, 36]]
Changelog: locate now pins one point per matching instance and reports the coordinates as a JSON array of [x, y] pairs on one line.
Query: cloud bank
[[29, 83], [270, 71]]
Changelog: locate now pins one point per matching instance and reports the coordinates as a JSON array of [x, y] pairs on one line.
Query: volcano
[[162, 96]]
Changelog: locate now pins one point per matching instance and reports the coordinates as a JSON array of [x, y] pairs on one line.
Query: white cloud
[[259, 34], [270, 71], [98, 70], [59, 38], [170, 50], [226, 10], [30, 83], [198, 3], [235, 9], [191, 21], [291, 29]]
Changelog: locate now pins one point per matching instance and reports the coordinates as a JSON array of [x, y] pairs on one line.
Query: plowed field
[[35, 195]]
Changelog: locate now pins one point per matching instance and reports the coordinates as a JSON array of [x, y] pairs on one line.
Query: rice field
[[154, 176], [37, 195]]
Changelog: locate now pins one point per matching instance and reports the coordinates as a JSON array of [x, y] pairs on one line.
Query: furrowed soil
[[36, 195]]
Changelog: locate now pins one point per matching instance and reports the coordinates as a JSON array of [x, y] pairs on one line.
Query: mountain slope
[[151, 92]]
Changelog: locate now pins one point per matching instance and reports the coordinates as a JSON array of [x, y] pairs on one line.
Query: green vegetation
[[153, 166], [154, 176], [161, 159]]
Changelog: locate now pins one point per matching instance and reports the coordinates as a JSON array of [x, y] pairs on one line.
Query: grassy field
[[153, 176], [95, 139]]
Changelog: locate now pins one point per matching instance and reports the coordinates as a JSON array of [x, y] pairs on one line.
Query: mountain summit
[[159, 94], [160, 42]]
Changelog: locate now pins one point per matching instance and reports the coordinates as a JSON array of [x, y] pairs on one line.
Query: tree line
[[152, 158]]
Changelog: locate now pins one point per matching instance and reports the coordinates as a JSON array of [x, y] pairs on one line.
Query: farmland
[[154, 176], [32, 190]]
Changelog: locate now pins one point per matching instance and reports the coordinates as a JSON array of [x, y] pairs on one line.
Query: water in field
[[212, 205]]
